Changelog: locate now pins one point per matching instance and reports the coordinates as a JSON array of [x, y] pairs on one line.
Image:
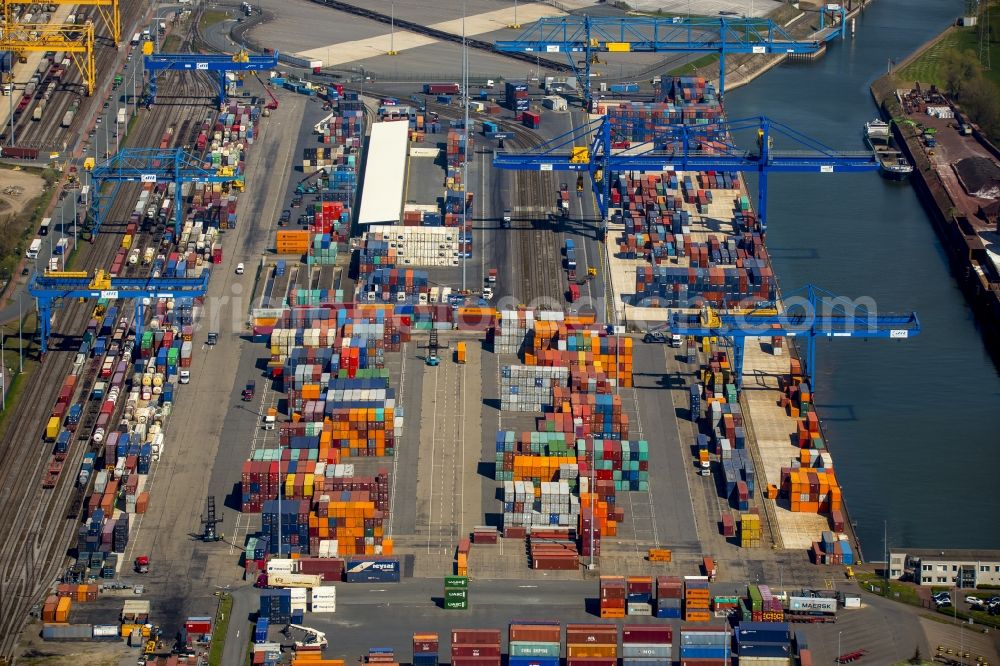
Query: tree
[[981, 99], [959, 68], [916, 658]]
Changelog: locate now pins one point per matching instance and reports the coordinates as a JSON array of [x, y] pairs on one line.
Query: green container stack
[[626, 470], [456, 592]]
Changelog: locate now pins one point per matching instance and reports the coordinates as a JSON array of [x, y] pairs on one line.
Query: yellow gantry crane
[[76, 39], [108, 10]]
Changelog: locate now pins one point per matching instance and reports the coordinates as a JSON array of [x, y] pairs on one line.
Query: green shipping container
[[756, 600], [456, 581], [534, 649], [456, 605], [455, 594]]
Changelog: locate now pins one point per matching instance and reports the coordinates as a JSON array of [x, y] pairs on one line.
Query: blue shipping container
[[372, 571]]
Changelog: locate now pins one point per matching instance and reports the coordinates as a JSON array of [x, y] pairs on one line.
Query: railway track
[[47, 133], [38, 525]]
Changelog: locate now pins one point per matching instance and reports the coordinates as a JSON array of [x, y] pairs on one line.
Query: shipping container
[[372, 571]]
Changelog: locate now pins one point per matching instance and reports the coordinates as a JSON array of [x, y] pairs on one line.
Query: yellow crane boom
[[20, 37]]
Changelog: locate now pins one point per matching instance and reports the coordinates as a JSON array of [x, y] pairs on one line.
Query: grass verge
[[210, 17], [220, 628], [897, 591], [978, 617], [693, 66], [928, 67], [18, 381]]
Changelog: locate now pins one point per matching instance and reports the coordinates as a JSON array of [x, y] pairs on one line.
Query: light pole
[[20, 339], [465, 157], [10, 104], [839, 634]]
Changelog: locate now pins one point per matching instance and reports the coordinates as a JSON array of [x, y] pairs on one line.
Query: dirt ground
[[17, 189], [36, 652]]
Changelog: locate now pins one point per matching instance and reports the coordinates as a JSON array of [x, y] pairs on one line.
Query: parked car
[[296, 202], [942, 600], [286, 215], [249, 391], [974, 600], [240, 268]]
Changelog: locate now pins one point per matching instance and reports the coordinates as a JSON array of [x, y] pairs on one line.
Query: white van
[[32, 251]]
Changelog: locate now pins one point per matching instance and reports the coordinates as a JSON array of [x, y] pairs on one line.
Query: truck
[[249, 390], [282, 579], [564, 199], [708, 566], [270, 418], [33, 249], [570, 252], [61, 246], [442, 88], [506, 220]]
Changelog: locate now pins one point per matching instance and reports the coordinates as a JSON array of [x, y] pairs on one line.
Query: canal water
[[914, 425]]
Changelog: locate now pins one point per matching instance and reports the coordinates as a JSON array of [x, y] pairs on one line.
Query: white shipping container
[[283, 579], [281, 565]]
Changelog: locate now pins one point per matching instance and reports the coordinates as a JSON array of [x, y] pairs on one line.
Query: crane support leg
[[44, 323], [739, 346]]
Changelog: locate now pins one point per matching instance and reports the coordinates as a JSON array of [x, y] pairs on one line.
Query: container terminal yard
[[342, 368]]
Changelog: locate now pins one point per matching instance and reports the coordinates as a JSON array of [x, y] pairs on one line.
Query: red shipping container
[[648, 634], [475, 636], [475, 650]]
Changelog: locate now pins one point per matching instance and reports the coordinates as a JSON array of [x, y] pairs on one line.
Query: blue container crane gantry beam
[[197, 62], [51, 286], [152, 165], [810, 312], [586, 35], [591, 148]]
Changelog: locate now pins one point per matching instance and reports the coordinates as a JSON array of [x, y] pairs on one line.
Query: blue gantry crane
[[599, 149], [55, 285], [810, 312], [587, 35], [152, 165], [216, 64]]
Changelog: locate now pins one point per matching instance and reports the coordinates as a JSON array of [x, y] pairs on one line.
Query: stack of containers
[[751, 531], [260, 630], [456, 594], [697, 599], [426, 648], [294, 526], [811, 490], [832, 549], [771, 608], [351, 519], [623, 462], [475, 647], [516, 93], [276, 606], [647, 645], [764, 644], [705, 646], [591, 645], [613, 597], [640, 595], [323, 599], [510, 335], [586, 351], [529, 389], [669, 596], [395, 285], [534, 643], [409, 246]]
